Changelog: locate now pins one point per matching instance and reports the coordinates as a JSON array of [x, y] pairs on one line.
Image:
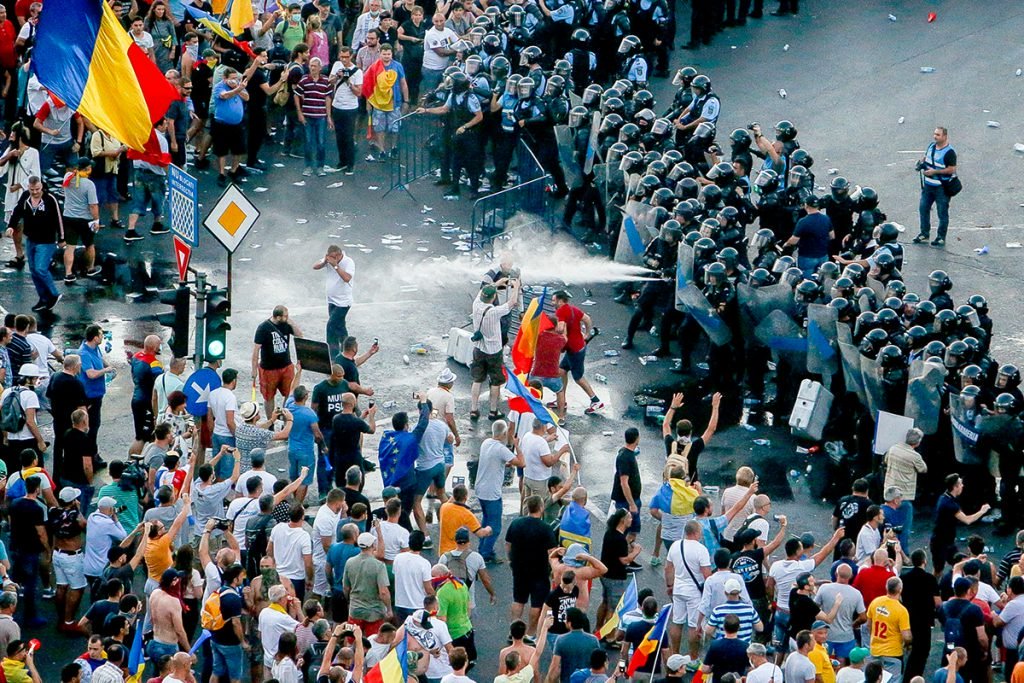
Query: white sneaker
[[307, 173]]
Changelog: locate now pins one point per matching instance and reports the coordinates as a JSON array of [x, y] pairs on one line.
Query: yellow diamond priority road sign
[[231, 218]]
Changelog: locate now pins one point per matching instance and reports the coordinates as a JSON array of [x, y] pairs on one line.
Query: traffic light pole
[[200, 318]]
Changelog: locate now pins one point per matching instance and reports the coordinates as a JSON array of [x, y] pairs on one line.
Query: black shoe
[[16, 263], [116, 224], [920, 239], [222, 180], [662, 352], [369, 466], [98, 463], [53, 302], [259, 165], [39, 306], [240, 172], [95, 271], [201, 163], [132, 236], [691, 46], [70, 279], [159, 229], [627, 345], [938, 242]]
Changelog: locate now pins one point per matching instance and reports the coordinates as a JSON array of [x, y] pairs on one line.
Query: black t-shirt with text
[[749, 564], [275, 340], [327, 399], [559, 602], [852, 512]]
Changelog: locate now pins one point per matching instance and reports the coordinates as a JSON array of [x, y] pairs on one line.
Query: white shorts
[[685, 609], [320, 585], [69, 570]]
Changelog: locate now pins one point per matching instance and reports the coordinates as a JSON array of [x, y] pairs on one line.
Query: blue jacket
[[398, 451]]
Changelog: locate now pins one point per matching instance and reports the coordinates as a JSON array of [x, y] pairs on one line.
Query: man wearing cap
[[487, 362], [578, 327], [251, 433], [734, 604], [468, 565], [443, 400], [854, 673], [761, 670], [68, 527], [582, 564], [819, 655], [29, 435], [841, 637], [889, 625], [812, 236], [367, 587]]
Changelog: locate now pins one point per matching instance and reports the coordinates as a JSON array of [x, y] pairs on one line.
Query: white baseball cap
[[69, 493], [366, 540]]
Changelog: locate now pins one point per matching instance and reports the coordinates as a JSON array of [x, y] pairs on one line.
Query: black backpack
[[952, 627]]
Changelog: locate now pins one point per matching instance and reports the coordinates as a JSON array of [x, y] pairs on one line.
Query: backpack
[[64, 523], [952, 627], [257, 538], [457, 566], [746, 524], [17, 488], [211, 617], [12, 413]]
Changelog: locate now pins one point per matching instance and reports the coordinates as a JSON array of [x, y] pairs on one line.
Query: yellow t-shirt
[[822, 663], [889, 618], [158, 556], [454, 516]]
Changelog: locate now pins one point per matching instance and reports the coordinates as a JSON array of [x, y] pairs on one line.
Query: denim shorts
[[296, 461], [424, 478], [228, 661]]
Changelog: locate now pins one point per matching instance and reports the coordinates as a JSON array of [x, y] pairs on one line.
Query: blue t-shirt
[[338, 555], [300, 439], [92, 359], [813, 230], [230, 110], [940, 676]]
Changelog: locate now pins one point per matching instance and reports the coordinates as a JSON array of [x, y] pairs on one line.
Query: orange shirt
[[453, 516], [158, 556]]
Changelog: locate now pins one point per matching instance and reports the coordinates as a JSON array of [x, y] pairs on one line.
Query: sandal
[[474, 415], [493, 415]]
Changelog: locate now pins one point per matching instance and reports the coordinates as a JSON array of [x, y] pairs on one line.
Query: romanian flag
[[241, 16], [515, 386], [86, 58], [675, 497], [209, 22], [393, 668], [533, 322], [136, 659], [627, 603], [574, 526], [649, 645]]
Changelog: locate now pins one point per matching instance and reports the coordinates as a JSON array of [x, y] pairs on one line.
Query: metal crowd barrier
[[417, 151]]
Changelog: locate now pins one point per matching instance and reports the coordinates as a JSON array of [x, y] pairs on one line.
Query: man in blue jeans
[[40, 216], [937, 167], [811, 237], [226, 640], [495, 457]]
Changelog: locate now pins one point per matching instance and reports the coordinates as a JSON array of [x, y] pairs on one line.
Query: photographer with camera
[[939, 184], [487, 345], [347, 79]]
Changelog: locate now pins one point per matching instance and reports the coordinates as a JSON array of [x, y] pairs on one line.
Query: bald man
[[146, 367], [346, 442]]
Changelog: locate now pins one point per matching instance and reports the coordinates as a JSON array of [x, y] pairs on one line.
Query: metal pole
[[657, 651], [229, 276], [200, 319]]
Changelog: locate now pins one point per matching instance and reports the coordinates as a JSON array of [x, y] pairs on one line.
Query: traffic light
[[218, 309], [178, 319]]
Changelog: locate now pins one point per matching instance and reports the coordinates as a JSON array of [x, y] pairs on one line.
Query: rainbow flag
[[86, 58], [627, 603], [533, 322], [649, 645], [515, 386], [393, 668]]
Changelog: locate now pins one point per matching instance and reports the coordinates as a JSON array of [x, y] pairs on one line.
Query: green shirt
[[127, 504], [453, 607], [364, 576], [291, 35]]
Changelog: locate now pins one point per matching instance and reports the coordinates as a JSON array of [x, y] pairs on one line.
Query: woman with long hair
[[287, 662], [191, 588], [165, 40], [19, 163]]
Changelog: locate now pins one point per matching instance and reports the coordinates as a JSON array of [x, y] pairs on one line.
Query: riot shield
[[965, 432], [591, 157], [566, 138], [693, 301], [745, 295], [637, 230], [781, 334], [877, 287], [822, 343], [777, 297], [605, 178], [574, 100], [924, 397], [851, 358], [871, 380], [684, 265]]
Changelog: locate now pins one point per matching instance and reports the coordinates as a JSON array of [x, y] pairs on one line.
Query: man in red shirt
[[8, 66], [550, 344], [871, 580], [577, 328]]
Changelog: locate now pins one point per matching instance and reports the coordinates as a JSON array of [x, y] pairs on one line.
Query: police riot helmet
[[477, 33], [967, 315], [807, 291], [704, 131], [629, 134], [797, 176], [624, 86], [612, 105], [792, 276], [474, 65], [650, 157], [615, 152], [578, 117], [491, 44], [760, 277], [829, 270], [978, 303], [925, 313], [711, 196], [873, 342], [631, 162], [663, 197], [895, 288], [856, 272], [644, 118], [512, 84], [525, 87], [643, 99], [671, 231], [686, 188], [728, 215], [782, 264], [592, 95], [840, 188], [918, 337], [935, 349], [629, 45], [946, 321], [843, 286], [685, 212], [691, 238], [893, 303], [888, 320], [685, 170], [500, 67], [972, 374], [711, 228], [1005, 403], [658, 168], [842, 307], [938, 282], [1008, 376], [530, 55], [801, 157], [766, 182], [868, 199], [728, 257], [702, 83], [956, 354], [460, 82], [563, 69], [671, 157], [684, 77], [740, 139], [888, 232], [714, 274], [649, 182], [885, 262], [866, 299], [890, 357], [704, 248], [865, 323], [722, 174], [611, 123], [785, 131], [580, 38], [974, 345], [555, 86], [763, 238]]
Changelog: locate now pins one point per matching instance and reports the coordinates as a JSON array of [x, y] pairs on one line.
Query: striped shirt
[[743, 611], [487, 319], [314, 94]]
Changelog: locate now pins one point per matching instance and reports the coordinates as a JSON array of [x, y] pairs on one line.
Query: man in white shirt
[[443, 401], [29, 436], [366, 22], [44, 350], [394, 538], [222, 407], [347, 79], [869, 538], [412, 577], [168, 382], [761, 670], [437, 52], [274, 622], [323, 535], [687, 567], [340, 270], [487, 362], [292, 550], [257, 457], [538, 459]]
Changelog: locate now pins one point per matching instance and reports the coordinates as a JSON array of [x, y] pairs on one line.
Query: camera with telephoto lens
[[221, 523], [345, 74], [920, 166], [133, 478]]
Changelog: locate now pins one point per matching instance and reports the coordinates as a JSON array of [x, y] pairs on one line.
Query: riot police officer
[[939, 285], [584, 198], [704, 108], [660, 256], [582, 61], [463, 116], [839, 207]]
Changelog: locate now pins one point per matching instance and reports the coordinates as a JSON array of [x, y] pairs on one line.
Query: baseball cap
[[677, 662], [366, 540], [733, 586], [859, 654], [746, 536], [462, 535], [572, 554], [390, 492], [488, 292], [446, 377], [807, 540], [892, 493], [820, 624], [107, 502], [69, 493], [30, 370]]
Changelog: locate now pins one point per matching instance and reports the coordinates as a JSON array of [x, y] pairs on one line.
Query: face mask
[[193, 50], [297, 16], [374, 14]]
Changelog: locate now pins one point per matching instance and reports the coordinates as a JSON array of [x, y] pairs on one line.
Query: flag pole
[[657, 650]]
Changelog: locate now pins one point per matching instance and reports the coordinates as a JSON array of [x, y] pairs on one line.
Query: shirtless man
[[517, 631], [165, 610], [67, 523], [583, 564], [256, 597]]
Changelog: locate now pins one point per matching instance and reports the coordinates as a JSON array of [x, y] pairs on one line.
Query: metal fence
[[525, 205], [417, 151]]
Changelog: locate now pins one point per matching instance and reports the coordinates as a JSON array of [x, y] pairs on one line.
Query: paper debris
[[422, 249], [992, 124], [259, 189], [892, 17], [785, 48], [981, 251], [365, 250], [337, 184], [278, 165], [900, 120], [927, 69], [782, 93], [1013, 245], [373, 188], [301, 221], [588, 302], [299, 183]]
